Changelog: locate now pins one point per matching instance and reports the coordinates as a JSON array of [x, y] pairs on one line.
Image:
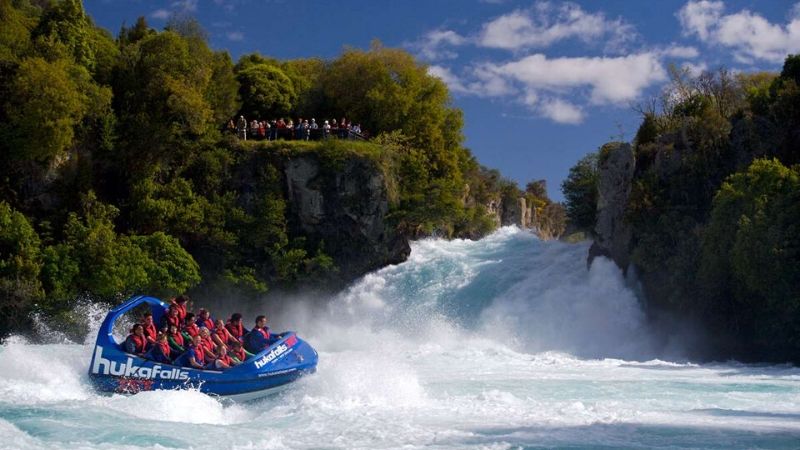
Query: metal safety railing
[[294, 134]]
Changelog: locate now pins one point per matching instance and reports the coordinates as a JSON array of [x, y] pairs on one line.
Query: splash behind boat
[[114, 370]]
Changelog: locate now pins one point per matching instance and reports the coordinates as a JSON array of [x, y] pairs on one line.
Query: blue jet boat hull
[[113, 370]]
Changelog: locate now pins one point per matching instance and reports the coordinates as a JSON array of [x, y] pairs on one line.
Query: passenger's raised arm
[[236, 327]]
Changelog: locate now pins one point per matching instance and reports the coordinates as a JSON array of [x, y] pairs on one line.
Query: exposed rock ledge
[[613, 234]]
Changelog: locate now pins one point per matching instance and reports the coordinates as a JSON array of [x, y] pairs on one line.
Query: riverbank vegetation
[[118, 176], [714, 207]]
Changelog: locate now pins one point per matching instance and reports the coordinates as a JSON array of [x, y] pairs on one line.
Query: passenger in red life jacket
[[207, 343], [160, 350], [176, 341], [136, 342], [259, 337], [204, 319], [238, 352], [150, 330], [223, 361], [236, 327], [190, 329], [221, 335], [195, 356], [180, 304], [173, 317]]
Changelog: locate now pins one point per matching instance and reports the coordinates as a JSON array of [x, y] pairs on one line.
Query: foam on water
[[507, 342]]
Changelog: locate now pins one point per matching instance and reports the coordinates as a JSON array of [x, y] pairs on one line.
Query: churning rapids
[[507, 342]]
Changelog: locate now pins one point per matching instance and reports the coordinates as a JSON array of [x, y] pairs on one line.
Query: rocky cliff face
[[511, 212], [345, 207], [516, 213], [613, 234]]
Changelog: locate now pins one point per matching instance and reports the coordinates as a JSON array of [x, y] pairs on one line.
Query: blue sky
[[541, 83]]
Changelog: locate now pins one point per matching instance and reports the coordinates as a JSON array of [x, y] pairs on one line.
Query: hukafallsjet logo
[[104, 366], [276, 352]]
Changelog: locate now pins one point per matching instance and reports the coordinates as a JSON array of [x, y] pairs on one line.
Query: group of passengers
[[198, 341], [303, 130]]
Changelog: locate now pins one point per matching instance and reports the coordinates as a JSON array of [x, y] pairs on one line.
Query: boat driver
[[259, 337]]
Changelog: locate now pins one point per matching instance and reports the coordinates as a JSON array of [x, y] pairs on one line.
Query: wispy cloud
[[561, 111], [236, 36], [185, 5], [437, 44], [563, 89], [546, 24], [160, 14], [545, 85], [747, 34], [450, 79], [610, 80], [680, 51]]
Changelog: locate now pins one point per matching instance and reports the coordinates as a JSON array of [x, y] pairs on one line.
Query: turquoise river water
[[503, 343]]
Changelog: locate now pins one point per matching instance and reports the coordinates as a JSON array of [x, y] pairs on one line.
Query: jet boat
[[114, 370]]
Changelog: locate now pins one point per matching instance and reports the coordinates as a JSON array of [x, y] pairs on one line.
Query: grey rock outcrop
[[345, 207], [517, 213], [613, 234]]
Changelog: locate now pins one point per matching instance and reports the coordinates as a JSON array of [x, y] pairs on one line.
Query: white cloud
[[185, 5], [235, 36], [695, 69], [610, 79], [433, 45], [545, 24], [561, 111], [679, 51], [749, 35], [160, 14], [489, 83], [450, 79]]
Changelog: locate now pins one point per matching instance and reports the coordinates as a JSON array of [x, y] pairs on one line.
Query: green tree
[[580, 192], [385, 90], [265, 91], [136, 33], [223, 88], [20, 265], [65, 22], [751, 259], [162, 95], [15, 30], [44, 107], [94, 259]]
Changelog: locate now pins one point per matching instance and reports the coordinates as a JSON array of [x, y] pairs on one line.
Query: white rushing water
[[507, 342]]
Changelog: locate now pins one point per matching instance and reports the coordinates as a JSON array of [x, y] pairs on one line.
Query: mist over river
[[508, 342]]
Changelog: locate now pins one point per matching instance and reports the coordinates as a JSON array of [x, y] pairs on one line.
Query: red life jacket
[[193, 329], [164, 348], [150, 331], [239, 354], [174, 320], [224, 335], [208, 323], [140, 343], [264, 332], [181, 310], [178, 338], [226, 359], [199, 355], [208, 344], [236, 331]]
